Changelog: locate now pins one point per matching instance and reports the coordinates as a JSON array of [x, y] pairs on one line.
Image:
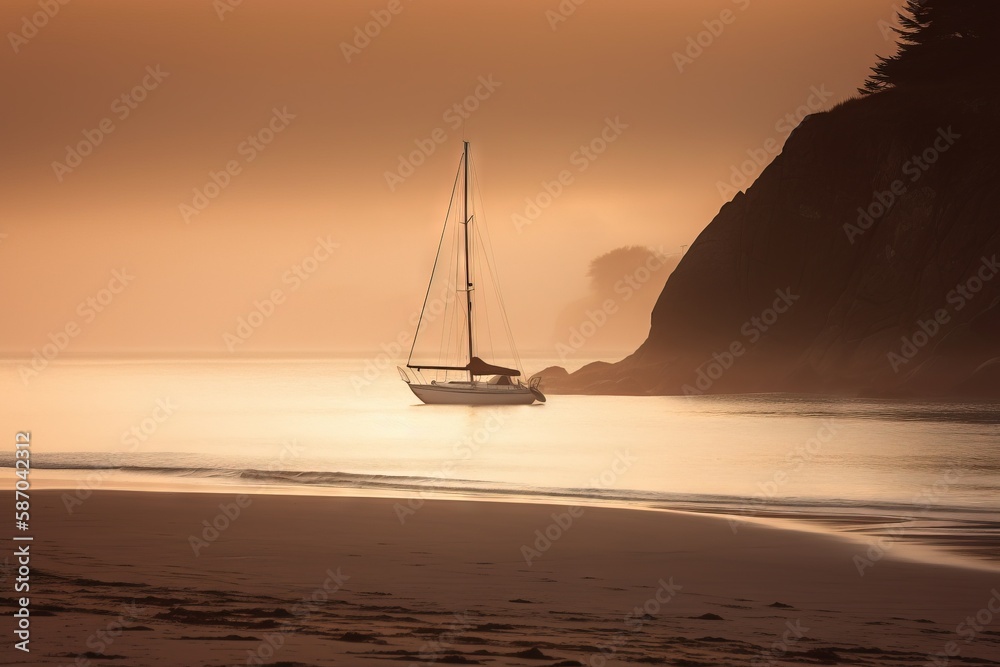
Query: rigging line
[[451, 316], [475, 272], [482, 274], [434, 268], [444, 344], [462, 278], [491, 262], [450, 325], [484, 242], [468, 275], [503, 310], [467, 284], [453, 319], [510, 340], [474, 263], [470, 259], [489, 326], [458, 312]]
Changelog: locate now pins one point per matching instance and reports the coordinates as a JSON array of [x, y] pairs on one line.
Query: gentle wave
[[750, 506]]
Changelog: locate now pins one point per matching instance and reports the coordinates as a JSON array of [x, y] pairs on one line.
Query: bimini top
[[477, 366]]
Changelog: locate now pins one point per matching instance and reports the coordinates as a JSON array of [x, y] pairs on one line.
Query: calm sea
[[328, 426]]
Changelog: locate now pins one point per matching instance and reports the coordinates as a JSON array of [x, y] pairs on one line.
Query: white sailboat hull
[[479, 393]]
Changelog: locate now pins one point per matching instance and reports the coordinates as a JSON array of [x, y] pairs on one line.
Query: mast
[[468, 283]]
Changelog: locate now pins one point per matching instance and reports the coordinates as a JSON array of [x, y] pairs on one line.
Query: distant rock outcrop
[[863, 261]]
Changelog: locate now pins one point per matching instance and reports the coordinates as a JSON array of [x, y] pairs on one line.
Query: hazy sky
[[309, 128]]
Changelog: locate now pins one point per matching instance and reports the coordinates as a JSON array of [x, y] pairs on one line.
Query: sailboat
[[480, 382]]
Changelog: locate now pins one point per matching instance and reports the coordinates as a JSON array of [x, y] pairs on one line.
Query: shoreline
[[312, 580], [922, 538]]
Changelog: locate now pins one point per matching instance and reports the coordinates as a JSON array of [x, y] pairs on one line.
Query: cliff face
[[863, 260]]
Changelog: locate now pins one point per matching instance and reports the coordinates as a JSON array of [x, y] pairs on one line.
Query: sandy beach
[[138, 579]]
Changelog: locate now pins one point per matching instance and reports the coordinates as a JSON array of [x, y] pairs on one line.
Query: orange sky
[[324, 173]]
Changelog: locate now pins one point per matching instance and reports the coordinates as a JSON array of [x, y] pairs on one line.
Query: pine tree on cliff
[[941, 41]]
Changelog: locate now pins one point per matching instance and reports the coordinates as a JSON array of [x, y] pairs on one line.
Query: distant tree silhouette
[[610, 267], [630, 279], [941, 40]]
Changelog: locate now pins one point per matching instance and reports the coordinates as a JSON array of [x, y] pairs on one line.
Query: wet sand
[[137, 579]]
